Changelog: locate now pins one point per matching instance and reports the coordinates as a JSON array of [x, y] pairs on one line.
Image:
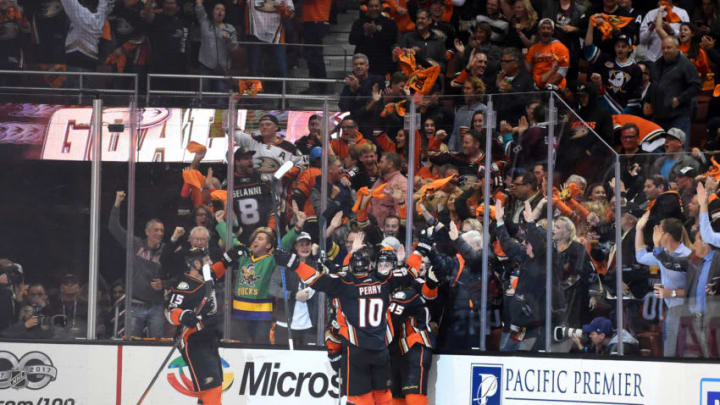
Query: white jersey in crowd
[[268, 158], [265, 22]]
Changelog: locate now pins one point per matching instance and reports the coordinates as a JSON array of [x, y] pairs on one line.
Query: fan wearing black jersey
[[361, 297], [252, 198]]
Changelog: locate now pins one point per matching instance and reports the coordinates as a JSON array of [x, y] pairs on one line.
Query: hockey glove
[[231, 256], [286, 259], [425, 242], [189, 319]]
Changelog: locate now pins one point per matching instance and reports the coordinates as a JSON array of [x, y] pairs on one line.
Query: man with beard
[[469, 160], [428, 46], [313, 138], [374, 35], [549, 59], [252, 198]]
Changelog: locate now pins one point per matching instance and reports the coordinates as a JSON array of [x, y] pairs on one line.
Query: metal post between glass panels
[[229, 211], [490, 122], [552, 120], [96, 178], [320, 338], [410, 174], [618, 259], [130, 226]]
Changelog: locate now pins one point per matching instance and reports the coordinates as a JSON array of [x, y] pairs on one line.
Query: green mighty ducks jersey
[[251, 296]]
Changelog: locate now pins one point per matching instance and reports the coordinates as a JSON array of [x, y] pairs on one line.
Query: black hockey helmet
[[194, 254], [386, 261], [363, 260]]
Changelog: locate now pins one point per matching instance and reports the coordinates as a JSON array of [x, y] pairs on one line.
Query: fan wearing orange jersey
[[548, 60]]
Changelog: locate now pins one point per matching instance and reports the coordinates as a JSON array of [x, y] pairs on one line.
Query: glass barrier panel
[[672, 282], [276, 200], [46, 206], [586, 316]]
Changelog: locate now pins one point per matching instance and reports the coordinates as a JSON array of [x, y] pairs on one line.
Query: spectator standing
[[358, 88], [703, 272], [498, 24], [429, 48], [473, 91], [129, 28], [675, 159], [270, 150], [315, 17], [147, 293], [375, 35], [168, 36], [676, 84], [617, 78], [217, 40], [671, 279], [650, 38], [12, 26], [265, 24], [83, 38], [567, 15], [619, 21], [50, 22], [314, 137], [549, 59], [512, 78]]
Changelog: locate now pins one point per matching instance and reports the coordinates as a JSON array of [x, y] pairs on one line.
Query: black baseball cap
[[625, 38], [269, 117], [243, 151]]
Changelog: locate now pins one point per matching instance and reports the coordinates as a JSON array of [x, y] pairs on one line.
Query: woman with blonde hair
[[524, 19], [575, 271]]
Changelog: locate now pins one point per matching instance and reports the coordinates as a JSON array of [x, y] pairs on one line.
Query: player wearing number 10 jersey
[[361, 298], [252, 198]]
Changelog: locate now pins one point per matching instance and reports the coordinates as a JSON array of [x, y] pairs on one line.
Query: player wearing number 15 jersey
[[252, 198], [361, 298]]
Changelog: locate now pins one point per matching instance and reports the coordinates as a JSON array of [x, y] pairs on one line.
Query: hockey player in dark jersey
[[252, 198], [411, 350], [193, 306], [361, 297]]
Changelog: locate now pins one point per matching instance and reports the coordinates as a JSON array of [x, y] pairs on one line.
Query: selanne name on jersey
[[369, 290], [247, 192]]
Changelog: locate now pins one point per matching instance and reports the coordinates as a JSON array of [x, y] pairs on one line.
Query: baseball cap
[[315, 153], [599, 325], [269, 117], [547, 21], [243, 151], [69, 278], [688, 171], [625, 38], [303, 236], [676, 133]]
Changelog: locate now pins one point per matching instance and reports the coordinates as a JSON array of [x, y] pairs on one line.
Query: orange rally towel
[[193, 178], [611, 22], [194, 147]]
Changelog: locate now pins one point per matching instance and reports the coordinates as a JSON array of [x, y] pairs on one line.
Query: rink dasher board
[[96, 374]]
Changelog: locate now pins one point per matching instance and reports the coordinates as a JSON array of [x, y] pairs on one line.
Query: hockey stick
[[279, 173], [209, 286]]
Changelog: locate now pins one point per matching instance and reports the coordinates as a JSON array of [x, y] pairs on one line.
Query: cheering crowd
[[632, 72]]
